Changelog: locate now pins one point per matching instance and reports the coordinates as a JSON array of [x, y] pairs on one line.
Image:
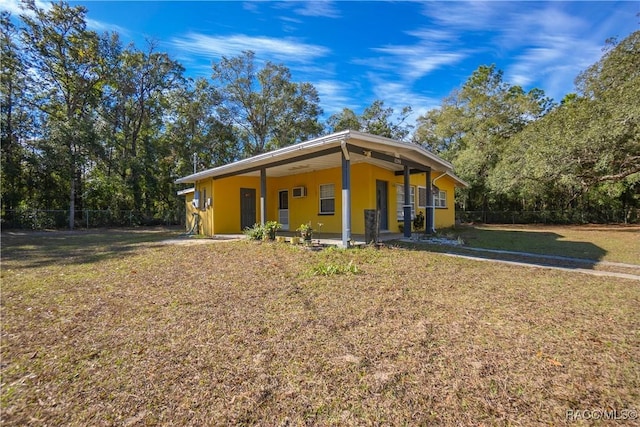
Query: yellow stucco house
[[330, 180]]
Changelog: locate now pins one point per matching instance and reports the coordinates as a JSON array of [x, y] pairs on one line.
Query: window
[[440, 199], [196, 199], [422, 197], [400, 201], [327, 199]]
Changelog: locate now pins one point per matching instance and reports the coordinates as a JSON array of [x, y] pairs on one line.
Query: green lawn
[[116, 328]]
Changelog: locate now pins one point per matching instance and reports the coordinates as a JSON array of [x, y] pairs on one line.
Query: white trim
[[286, 226], [186, 191], [437, 196], [413, 205]]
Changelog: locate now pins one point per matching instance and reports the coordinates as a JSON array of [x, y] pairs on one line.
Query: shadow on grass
[[42, 248], [542, 248], [543, 243]]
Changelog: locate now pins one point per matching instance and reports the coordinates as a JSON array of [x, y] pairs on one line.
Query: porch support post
[[346, 197], [429, 223], [263, 195], [407, 202]]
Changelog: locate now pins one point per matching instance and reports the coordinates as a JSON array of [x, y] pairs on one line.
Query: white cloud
[[543, 44], [433, 50], [280, 49], [250, 6], [553, 46], [102, 27], [334, 95], [397, 94], [467, 15], [321, 8], [14, 6], [414, 62]]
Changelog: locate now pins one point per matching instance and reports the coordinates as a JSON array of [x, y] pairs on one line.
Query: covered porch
[[374, 159]]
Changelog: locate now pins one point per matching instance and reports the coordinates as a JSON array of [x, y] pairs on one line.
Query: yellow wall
[[190, 209], [226, 202], [223, 216], [446, 217]]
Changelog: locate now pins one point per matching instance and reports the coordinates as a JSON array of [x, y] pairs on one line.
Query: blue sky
[[404, 53]]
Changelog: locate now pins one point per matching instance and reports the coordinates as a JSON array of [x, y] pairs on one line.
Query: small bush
[[263, 232], [257, 232], [327, 269], [270, 229]]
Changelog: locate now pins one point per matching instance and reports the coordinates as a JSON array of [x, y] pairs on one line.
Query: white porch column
[[263, 195], [407, 202], [346, 196]]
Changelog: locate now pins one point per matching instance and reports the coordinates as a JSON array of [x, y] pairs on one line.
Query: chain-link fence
[[39, 219], [617, 216]]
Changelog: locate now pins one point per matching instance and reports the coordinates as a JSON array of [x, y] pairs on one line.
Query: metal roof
[[322, 153]]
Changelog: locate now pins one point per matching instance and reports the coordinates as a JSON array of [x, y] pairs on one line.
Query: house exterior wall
[[226, 203], [190, 209], [223, 216], [446, 217]]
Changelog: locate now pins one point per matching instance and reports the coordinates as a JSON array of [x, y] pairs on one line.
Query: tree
[[474, 125], [195, 128], [65, 59], [344, 120], [134, 113], [375, 119], [16, 122], [267, 108], [611, 88], [586, 150]]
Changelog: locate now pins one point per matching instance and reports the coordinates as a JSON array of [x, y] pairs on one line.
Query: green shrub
[[257, 232], [330, 269], [270, 229], [263, 232]]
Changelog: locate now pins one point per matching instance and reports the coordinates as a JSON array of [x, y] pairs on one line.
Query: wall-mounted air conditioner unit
[[298, 192]]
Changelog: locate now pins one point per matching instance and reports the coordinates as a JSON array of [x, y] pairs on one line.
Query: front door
[[283, 208], [381, 203], [247, 207]]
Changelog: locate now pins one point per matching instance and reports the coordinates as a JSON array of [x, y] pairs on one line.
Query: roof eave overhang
[[322, 146]]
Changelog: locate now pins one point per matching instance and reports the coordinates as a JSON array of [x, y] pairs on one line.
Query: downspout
[[346, 195]]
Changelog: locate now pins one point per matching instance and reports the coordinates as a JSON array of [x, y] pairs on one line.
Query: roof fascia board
[[457, 179], [392, 142], [303, 157], [263, 160], [386, 157]]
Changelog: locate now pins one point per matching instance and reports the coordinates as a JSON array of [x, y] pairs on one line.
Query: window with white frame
[[327, 199], [440, 199], [400, 201]]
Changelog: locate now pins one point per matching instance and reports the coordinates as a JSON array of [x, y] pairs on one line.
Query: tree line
[[91, 123]]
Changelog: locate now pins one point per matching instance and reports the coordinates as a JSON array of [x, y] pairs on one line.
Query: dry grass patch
[[250, 333]]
